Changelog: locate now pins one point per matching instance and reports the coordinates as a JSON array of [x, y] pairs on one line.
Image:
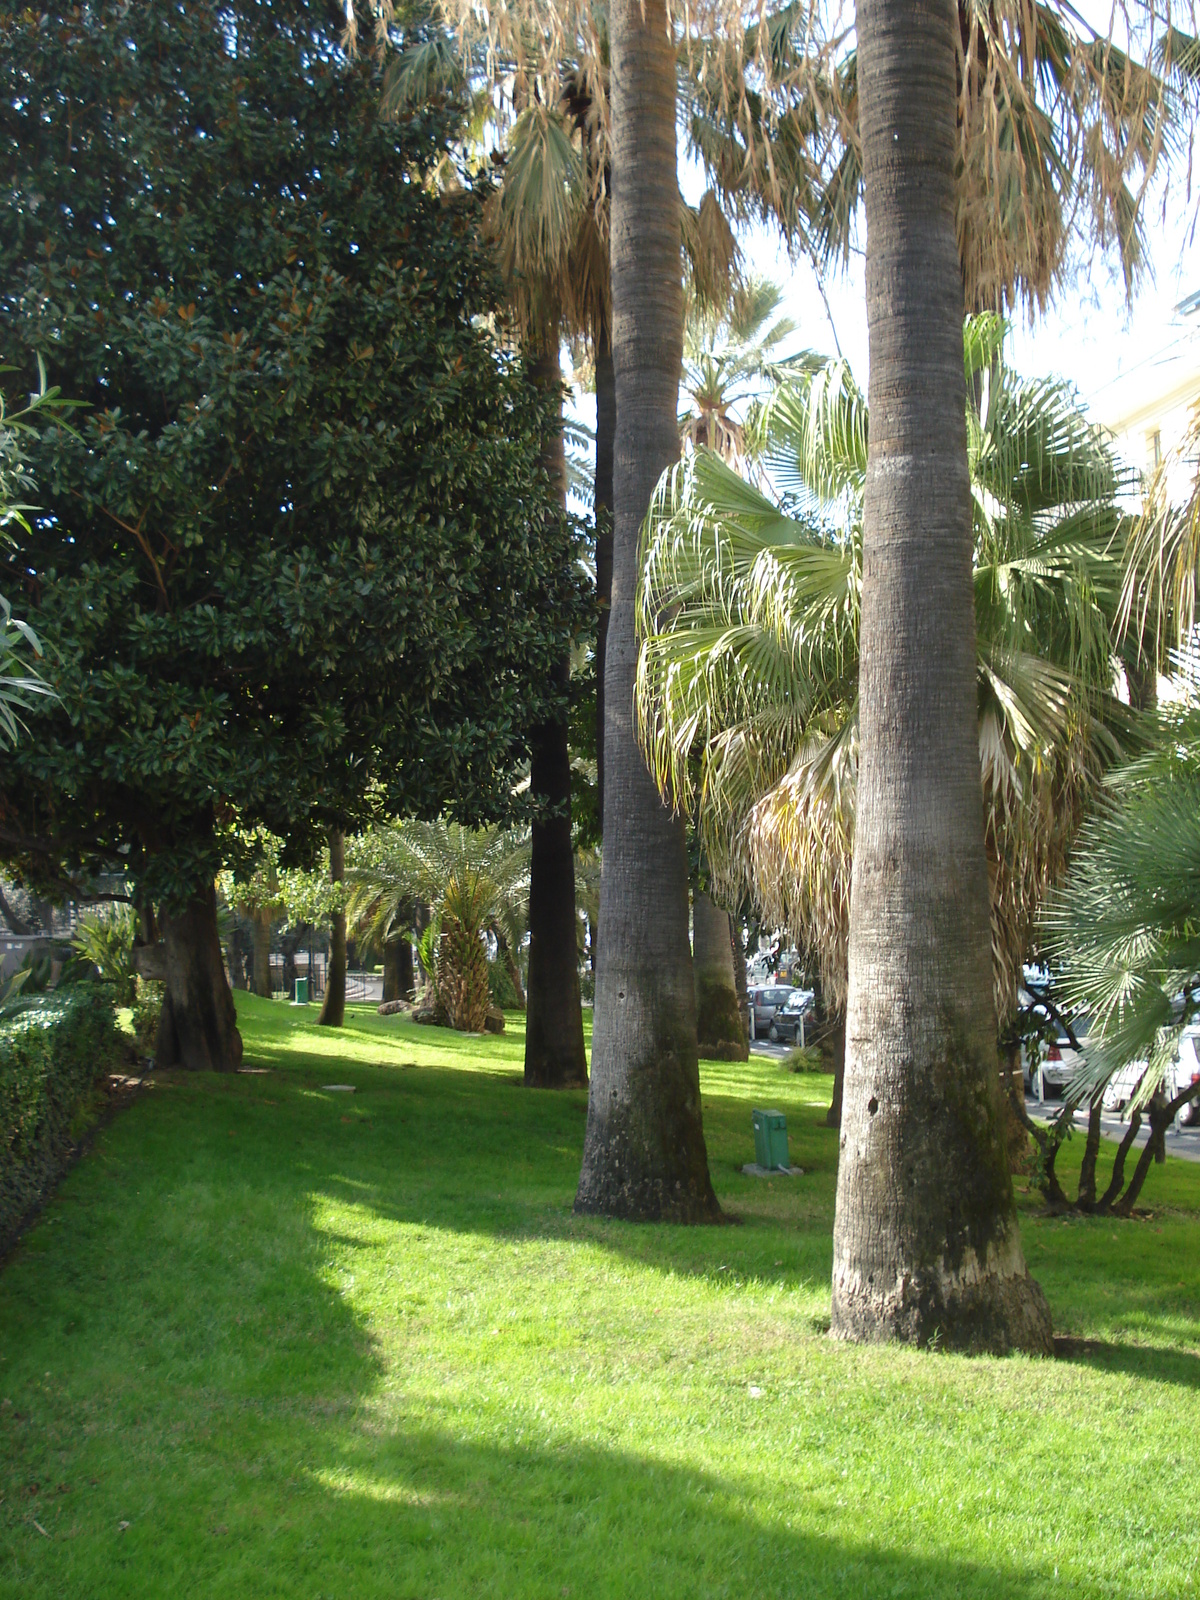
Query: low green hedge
[[54, 1048]]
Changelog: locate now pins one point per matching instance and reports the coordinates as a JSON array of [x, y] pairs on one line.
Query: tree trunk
[[555, 1057], [397, 968], [1086, 1193], [644, 1154], [739, 975], [834, 1043], [926, 1243], [606, 427], [333, 1007], [197, 1028], [511, 967], [720, 1025], [262, 951]]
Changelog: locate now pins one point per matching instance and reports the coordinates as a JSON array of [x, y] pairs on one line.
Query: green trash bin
[[770, 1140], [301, 998]]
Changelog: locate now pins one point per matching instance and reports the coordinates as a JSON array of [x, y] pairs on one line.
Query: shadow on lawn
[[446, 1515], [1157, 1362]]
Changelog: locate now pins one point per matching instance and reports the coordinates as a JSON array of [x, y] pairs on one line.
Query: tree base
[[197, 1026], [720, 1029], [994, 1312], [648, 1200]]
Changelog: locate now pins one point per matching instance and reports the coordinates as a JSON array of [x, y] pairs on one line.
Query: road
[[1182, 1142]]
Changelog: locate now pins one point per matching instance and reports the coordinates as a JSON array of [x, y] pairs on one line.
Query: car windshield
[[797, 1000], [775, 997]]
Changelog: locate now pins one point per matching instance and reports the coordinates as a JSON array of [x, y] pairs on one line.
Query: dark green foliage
[[501, 988], [53, 1050], [299, 563]]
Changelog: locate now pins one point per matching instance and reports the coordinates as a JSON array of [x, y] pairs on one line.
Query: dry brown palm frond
[[1162, 555]]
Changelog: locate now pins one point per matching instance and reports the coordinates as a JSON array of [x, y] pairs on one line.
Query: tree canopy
[[298, 564]]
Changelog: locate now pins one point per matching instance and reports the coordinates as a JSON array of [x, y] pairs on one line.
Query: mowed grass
[[271, 1340]]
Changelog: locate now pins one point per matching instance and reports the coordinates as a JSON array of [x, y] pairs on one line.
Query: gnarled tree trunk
[[197, 1028], [333, 1007], [720, 1024], [555, 1057], [926, 1243], [644, 1154]]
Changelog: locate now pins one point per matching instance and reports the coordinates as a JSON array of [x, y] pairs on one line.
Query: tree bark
[[606, 427], [720, 1024], [197, 1028], [644, 1155], [926, 1242], [555, 1057], [333, 1007], [397, 968], [16, 924], [1086, 1193], [835, 1043], [262, 951], [739, 975]]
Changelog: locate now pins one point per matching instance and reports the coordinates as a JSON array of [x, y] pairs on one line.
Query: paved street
[[1182, 1142]]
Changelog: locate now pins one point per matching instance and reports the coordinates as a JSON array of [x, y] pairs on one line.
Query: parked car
[[764, 1002], [1187, 1071], [1047, 1072], [792, 1017]]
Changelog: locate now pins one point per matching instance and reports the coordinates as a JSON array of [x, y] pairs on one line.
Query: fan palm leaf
[[749, 611]]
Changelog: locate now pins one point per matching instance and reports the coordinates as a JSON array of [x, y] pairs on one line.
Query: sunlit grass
[[317, 1344]]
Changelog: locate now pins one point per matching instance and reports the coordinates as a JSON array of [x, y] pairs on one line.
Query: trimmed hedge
[[53, 1050]]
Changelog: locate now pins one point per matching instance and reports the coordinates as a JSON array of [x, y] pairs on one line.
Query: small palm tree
[[1124, 932], [728, 353], [475, 881], [748, 669]]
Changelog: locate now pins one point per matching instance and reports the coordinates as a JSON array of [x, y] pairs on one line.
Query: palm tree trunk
[[644, 1153], [333, 1007], [555, 1057], [197, 1026], [720, 1029], [397, 968], [606, 427], [511, 967], [925, 1239]]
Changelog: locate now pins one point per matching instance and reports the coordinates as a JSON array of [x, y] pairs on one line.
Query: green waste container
[[770, 1140], [301, 992]]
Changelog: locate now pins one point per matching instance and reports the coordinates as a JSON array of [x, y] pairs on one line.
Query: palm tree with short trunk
[[476, 881]]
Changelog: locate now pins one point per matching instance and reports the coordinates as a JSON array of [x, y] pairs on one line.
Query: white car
[[1119, 1089]]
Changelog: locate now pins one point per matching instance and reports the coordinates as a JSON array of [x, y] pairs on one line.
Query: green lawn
[[269, 1340]]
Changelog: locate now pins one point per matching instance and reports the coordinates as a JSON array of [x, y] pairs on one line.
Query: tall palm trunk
[[397, 968], [555, 1057], [643, 1154], [925, 1238], [333, 1007], [720, 1028], [606, 427]]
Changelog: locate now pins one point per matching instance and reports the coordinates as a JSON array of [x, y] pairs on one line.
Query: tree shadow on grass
[[1160, 1363]]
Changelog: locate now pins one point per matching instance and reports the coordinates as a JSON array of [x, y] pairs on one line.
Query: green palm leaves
[[474, 881], [1126, 925], [749, 609]]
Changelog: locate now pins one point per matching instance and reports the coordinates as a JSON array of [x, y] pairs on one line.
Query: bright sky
[[1089, 335]]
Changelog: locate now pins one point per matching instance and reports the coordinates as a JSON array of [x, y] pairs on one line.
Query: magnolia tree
[[298, 566]]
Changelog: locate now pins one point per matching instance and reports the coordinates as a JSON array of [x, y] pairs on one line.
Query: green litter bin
[[301, 998], [770, 1140]]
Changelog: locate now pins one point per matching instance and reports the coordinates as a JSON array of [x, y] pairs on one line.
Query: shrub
[[805, 1058], [53, 1050], [147, 1008], [501, 987]]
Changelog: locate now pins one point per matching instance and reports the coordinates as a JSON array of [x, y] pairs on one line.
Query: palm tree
[[925, 1234], [727, 353], [475, 880], [1123, 933], [748, 673]]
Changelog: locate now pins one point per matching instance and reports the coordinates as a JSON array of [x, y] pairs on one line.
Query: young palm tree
[[1123, 933], [728, 352], [475, 881], [748, 672]]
